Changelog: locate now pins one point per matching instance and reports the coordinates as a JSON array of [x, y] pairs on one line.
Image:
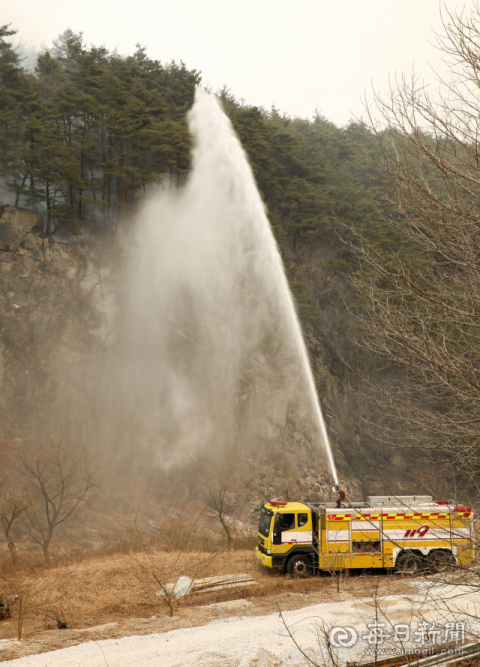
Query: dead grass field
[[104, 597]]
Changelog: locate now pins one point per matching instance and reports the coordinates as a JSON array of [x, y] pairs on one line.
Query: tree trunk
[[46, 544], [21, 612], [80, 191], [49, 209], [17, 198], [227, 533], [109, 179], [104, 180], [12, 548]]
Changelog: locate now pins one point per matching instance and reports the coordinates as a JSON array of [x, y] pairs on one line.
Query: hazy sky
[[299, 55]]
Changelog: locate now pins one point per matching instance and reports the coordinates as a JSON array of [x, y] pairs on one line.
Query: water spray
[[210, 245], [307, 369], [209, 122]]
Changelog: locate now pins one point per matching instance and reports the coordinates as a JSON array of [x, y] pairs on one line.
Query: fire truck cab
[[404, 532]]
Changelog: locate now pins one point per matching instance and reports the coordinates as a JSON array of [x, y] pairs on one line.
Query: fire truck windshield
[[265, 521]]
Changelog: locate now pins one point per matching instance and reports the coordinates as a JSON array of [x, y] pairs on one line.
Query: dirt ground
[[114, 596]]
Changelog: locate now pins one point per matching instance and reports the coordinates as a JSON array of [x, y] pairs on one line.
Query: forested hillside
[[89, 132], [86, 134]]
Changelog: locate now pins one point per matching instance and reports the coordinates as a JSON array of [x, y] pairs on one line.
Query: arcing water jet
[[207, 120], [206, 284]]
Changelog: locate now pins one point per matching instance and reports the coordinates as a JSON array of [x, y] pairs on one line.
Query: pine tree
[[13, 92], [48, 153]]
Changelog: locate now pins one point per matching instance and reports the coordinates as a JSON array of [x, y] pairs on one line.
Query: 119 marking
[[420, 532]]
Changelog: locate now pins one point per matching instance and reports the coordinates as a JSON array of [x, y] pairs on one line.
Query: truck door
[[284, 531], [304, 528], [288, 528], [292, 528]]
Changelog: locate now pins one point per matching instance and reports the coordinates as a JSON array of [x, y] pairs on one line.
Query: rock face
[[45, 319], [50, 318], [49, 347], [49, 322], [15, 224], [334, 342]]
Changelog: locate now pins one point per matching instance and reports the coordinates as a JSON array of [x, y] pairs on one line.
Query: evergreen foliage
[[85, 134], [93, 126]]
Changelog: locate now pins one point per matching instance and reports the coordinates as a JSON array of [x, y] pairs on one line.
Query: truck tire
[[441, 561], [299, 566], [408, 563]]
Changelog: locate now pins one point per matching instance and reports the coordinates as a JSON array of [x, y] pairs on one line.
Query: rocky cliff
[[51, 313], [47, 322]]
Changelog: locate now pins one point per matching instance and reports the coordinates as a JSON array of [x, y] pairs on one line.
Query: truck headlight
[[269, 551]]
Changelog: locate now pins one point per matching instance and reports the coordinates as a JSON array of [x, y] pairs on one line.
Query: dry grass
[[99, 590], [108, 588], [103, 589]]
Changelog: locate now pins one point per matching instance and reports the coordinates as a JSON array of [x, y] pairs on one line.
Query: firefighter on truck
[[403, 532]]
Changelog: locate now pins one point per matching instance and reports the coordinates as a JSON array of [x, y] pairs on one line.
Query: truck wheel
[[408, 563], [441, 561], [299, 566]]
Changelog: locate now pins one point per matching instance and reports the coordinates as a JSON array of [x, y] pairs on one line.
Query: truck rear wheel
[[441, 561], [408, 563], [299, 566]]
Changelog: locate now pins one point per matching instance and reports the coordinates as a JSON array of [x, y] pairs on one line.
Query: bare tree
[[13, 507], [218, 483], [169, 572], [30, 590], [12, 502], [422, 290], [59, 477]]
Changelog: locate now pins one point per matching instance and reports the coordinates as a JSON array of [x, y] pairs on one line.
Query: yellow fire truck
[[405, 532]]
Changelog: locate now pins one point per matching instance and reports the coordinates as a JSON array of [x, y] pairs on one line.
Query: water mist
[[205, 291]]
